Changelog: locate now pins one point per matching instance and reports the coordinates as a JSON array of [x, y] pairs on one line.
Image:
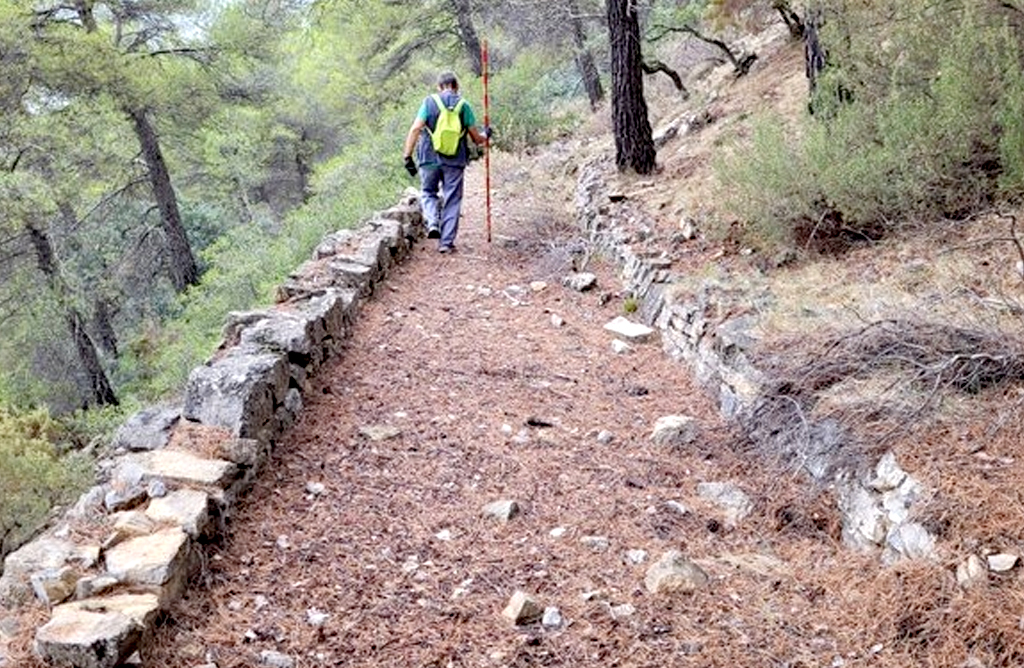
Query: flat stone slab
[[141, 608], [184, 467], [629, 330], [187, 508], [44, 553], [150, 560], [149, 429], [87, 639]]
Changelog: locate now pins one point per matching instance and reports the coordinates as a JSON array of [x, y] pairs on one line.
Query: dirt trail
[[493, 401]]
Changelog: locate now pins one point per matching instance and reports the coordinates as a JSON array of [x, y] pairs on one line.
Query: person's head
[[447, 80]]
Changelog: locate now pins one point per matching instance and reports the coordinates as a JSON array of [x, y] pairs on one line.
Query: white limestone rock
[[674, 574], [730, 498], [45, 552], [675, 430], [912, 541], [187, 508], [522, 609], [580, 282], [86, 639], [629, 330], [98, 632], [971, 572], [54, 585], [502, 510], [184, 467], [155, 559], [1000, 563]]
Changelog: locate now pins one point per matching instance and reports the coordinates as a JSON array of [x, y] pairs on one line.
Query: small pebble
[[316, 618], [552, 618]]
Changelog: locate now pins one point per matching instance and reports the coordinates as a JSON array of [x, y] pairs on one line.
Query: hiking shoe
[[433, 233], [446, 249]]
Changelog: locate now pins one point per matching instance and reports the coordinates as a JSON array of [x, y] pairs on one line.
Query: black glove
[[410, 166]]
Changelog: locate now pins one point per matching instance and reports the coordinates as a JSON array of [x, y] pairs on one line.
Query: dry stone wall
[[128, 548], [711, 325]]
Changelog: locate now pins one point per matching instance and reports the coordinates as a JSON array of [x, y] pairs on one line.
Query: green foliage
[[33, 478], [246, 264], [927, 125], [524, 99]]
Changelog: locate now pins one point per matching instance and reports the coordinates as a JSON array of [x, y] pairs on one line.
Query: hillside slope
[[496, 382]]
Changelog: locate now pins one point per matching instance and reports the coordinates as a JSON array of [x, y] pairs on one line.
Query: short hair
[[446, 79]]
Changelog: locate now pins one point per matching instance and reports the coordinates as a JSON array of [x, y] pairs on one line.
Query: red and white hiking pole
[[487, 140]]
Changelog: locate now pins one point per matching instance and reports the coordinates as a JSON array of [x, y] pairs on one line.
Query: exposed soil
[[494, 401]]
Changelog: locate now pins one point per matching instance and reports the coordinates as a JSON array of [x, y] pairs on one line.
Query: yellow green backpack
[[448, 131]]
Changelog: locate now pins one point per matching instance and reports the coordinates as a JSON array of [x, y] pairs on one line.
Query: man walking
[[438, 135]]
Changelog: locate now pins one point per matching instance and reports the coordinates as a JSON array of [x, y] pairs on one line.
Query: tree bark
[[100, 391], [584, 57], [634, 144], [181, 263], [103, 314], [467, 33], [814, 53], [85, 15]]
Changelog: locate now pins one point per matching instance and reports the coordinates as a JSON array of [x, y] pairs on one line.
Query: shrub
[[523, 98], [928, 125], [33, 477]]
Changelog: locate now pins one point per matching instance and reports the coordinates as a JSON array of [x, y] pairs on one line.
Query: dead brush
[[917, 614], [553, 244], [914, 365]]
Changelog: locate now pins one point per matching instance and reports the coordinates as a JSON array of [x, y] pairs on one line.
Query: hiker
[[442, 154]]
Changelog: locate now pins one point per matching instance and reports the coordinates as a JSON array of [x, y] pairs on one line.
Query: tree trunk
[[467, 33], [303, 166], [100, 391], [792, 20], [181, 263], [102, 317], [85, 15], [814, 53], [634, 145], [584, 58]]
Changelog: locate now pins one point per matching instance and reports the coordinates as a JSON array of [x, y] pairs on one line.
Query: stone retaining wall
[[711, 325], [127, 549]]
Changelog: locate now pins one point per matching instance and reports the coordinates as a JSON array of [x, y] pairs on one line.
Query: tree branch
[[655, 66]]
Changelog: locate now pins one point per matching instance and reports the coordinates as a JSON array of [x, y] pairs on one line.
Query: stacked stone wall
[[130, 545], [712, 325]]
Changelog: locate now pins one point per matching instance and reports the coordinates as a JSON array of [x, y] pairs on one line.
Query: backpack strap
[[436, 97]]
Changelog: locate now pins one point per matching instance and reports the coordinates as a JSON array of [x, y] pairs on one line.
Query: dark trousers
[[442, 199]]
